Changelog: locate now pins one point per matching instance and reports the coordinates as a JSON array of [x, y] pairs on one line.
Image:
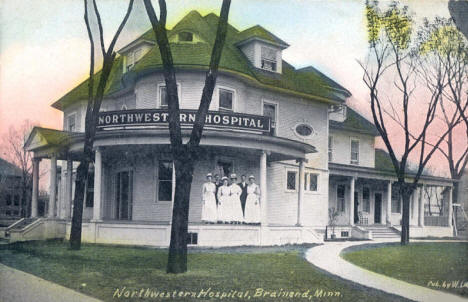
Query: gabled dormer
[[337, 113], [262, 48], [134, 51]]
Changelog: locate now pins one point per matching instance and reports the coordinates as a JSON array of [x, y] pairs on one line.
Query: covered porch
[[367, 198], [131, 184]]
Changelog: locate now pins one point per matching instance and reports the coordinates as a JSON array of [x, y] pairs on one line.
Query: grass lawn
[[426, 264], [105, 269]]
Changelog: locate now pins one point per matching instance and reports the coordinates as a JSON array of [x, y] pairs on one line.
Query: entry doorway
[[124, 193], [377, 208], [356, 206]]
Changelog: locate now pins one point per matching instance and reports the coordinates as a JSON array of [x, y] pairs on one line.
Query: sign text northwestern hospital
[[187, 117]]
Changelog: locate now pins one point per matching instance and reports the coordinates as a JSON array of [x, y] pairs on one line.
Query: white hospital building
[[291, 128]]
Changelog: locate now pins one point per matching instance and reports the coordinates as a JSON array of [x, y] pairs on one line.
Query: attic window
[[133, 57], [185, 36], [268, 56]]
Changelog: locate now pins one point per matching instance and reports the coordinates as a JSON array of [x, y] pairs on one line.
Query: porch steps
[[19, 225], [382, 232]]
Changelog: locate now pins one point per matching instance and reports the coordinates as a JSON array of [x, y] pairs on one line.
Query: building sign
[[142, 118]]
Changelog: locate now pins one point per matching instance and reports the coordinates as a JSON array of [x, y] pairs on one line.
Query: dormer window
[[185, 36], [268, 59], [71, 122], [132, 58]]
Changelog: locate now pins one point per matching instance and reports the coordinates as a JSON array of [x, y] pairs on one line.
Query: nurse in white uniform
[[236, 206], [224, 202], [252, 204], [209, 210]]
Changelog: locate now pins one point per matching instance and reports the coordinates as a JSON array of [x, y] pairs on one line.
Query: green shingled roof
[[9, 169], [356, 123], [259, 32], [306, 83], [383, 161]]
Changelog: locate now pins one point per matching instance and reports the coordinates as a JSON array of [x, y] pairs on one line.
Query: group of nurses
[[227, 207]]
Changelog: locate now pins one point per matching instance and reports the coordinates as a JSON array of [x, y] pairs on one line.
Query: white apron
[[224, 204], [252, 205], [209, 211], [235, 203]]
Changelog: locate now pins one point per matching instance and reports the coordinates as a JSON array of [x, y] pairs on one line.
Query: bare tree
[[92, 114], [13, 150], [184, 155], [443, 56], [391, 48]]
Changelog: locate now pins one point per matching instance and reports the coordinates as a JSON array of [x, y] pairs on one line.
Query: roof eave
[[134, 44], [250, 39]]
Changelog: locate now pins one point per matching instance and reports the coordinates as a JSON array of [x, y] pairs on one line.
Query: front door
[[377, 207], [124, 195]]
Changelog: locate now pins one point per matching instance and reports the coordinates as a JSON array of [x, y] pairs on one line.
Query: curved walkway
[[17, 286], [327, 257]]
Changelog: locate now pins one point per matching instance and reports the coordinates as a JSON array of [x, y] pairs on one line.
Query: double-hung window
[[226, 98], [268, 59], [132, 58], [354, 151], [90, 191], [71, 122], [330, 148], [163, 98], [165, 180], [396, 200], [311, 182], [291, 180], [340, 198]]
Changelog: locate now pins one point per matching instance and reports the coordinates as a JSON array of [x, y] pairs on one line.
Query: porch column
[[450, 208], [263, 187], [97, 184], [69, 188], [53, 185], [389, 203], [351, 200], [35, 187], [63, 190], [300, 195], [421, 206]]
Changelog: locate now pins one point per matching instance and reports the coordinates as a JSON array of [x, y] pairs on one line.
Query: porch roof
[[43, 142], [383, 174]]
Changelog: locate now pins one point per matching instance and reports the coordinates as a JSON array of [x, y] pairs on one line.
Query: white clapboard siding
[[342, 148], [282, 205]]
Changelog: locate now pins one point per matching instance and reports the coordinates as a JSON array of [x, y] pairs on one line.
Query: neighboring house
[[463, 190], [10, 190], [266, 118]]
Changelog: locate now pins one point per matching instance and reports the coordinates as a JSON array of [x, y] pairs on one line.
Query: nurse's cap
[[251, 177], [209, 175], [233, 176], [224, 178]]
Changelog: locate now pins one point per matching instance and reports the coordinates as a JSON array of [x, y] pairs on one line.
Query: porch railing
[[441, 221]]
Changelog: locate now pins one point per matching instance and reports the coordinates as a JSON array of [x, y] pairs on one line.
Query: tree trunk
[[177, 259], [455, 192], [406, 190], [80, 183]]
